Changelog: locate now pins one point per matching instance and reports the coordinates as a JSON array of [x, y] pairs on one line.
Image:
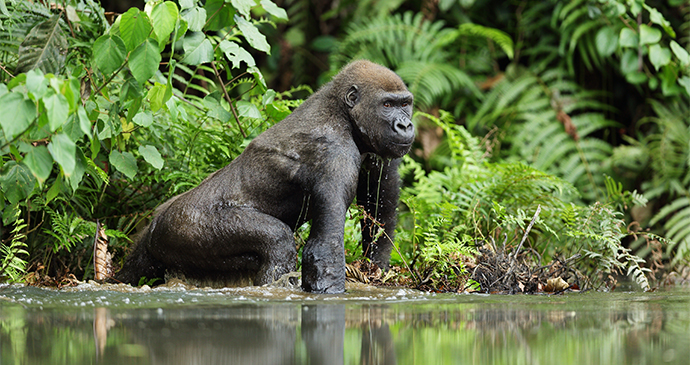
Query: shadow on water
[[365, 326]]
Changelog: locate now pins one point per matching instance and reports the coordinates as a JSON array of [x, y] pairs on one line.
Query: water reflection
[[622, 328]]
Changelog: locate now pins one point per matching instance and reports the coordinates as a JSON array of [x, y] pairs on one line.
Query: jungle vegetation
[[554, 136]]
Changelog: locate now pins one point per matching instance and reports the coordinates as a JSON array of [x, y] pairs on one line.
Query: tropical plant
[[111, 120]]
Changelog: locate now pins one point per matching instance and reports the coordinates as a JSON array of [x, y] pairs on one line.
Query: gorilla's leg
[[223, 245]]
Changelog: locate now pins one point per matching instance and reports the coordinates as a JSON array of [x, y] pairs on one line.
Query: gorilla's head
[[380, 107]]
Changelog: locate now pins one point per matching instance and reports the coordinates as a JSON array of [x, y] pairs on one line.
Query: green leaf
[[23, 113], [501, 38], [248, 110], [63, 150], [236, 54], [16, 181], [685, 82], [144, 60], [158, 96], [43, 48], [606, 41], [144, 119], [54, 190], [72, 128], [84, 122], [40, 163], [252, 34], [628, 38], [629, 61], [659, 56], [135, 28], [243, 6], [163, 18], [196, 18], [36, 84], [123, 162], [680, 53], [657, 18], [186, 4], [57, 110], [219, 15], [79, 169], [197, 49], [109, 53], [274, 10], [152, 156], [636, 77], [649, 35]]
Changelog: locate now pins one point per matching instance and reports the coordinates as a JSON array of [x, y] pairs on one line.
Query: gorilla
[[345, 140]]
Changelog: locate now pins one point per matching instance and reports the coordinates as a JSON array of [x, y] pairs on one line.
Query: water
[[90, 325]]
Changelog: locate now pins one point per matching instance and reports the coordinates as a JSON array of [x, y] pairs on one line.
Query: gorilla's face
[[383, 119]]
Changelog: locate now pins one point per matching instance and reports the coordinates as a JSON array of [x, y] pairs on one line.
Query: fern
[[12, 265], [497, 36], [418, 50], [477, 199], [549, 123]]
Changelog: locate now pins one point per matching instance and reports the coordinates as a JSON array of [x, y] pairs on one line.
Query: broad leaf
[[197, 49], [123, 162], [57, 110], [218, 15], [659, 56], [685, 83], [63, 150], [144, 119], [158, 96], [252, 34], [195, 17], [243, 6], [109, 52], [236, 54], [144, 60], [152, 156], [274, 10], [248, 110], [649, 35], [23, 113], [628, 38], [629, 61], [163, 18], [135, 28], [79, 169], [606, 41], [43, 48], [40, 163], [36, 84], [16, 181], [681, 53], [186, 4]]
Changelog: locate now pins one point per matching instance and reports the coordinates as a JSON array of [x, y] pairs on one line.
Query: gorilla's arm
[[323, 256], [377, 192]]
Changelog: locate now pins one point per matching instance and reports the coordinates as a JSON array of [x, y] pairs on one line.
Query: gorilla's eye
[[404, 104], [387, 104]]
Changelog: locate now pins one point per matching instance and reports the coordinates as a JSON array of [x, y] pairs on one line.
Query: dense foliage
[[572, 116]]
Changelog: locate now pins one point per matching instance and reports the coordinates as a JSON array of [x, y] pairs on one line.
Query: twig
[[229, 100]]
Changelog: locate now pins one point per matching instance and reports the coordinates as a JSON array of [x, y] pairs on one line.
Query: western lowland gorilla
[[345, 140]]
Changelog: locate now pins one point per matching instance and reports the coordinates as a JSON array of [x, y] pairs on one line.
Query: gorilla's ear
[[352, 96]]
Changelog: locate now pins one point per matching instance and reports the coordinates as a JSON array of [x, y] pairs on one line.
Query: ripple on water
[[93, 294]]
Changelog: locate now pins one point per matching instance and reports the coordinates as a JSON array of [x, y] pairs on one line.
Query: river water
[[93, 324]]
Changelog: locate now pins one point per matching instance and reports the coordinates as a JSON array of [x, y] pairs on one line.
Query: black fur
[[343, 141]]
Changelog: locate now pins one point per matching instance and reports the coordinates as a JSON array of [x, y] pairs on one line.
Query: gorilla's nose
[[404, 128]]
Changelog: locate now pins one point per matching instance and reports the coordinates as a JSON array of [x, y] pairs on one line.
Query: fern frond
[[430, 81], [499, 37]]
